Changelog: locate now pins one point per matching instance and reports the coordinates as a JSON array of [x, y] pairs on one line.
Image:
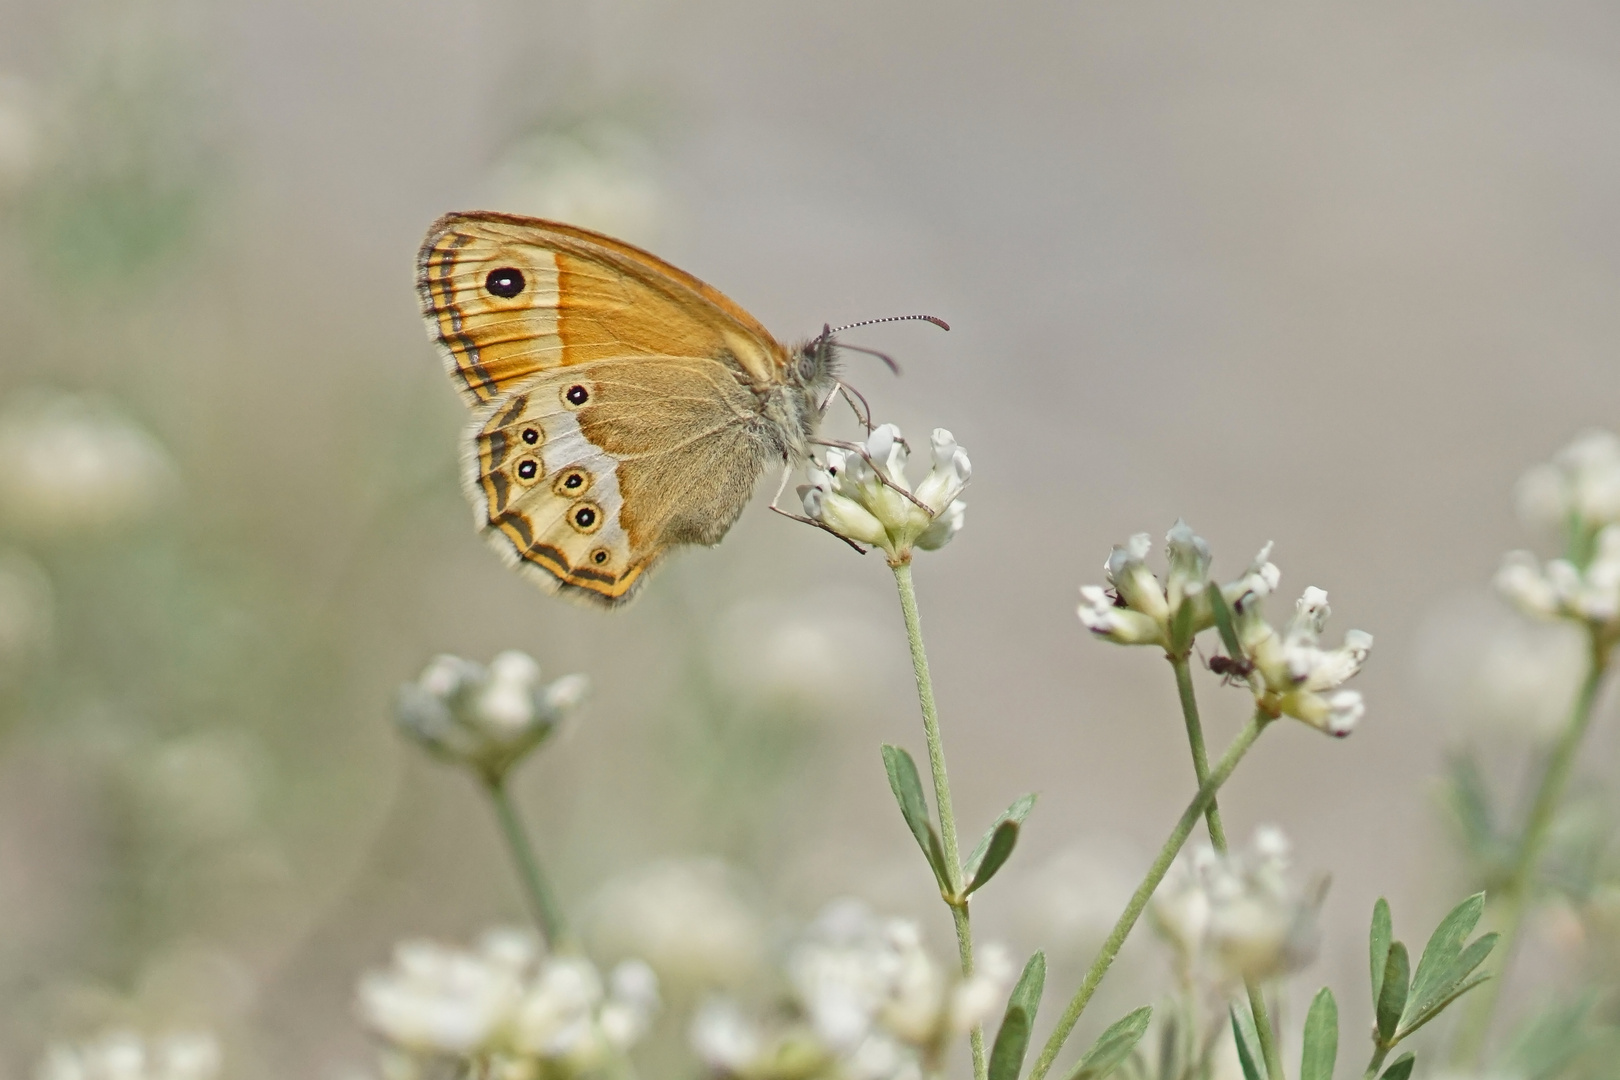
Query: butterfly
[[621, 406]]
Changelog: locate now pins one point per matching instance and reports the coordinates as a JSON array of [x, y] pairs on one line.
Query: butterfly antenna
[[937, 321]]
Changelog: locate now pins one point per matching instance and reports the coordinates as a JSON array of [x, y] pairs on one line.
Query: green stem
[[1217, 837], [1380, 1052], [537, 892], [942, 793], [1144, 892], [1515, 892]]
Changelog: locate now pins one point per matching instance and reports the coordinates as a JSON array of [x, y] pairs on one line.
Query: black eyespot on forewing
[[577, 395], [505, 282]]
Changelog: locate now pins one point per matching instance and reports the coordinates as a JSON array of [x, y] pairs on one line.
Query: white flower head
[[1579, 489], [1291, 674], [1139, 609], [487, 718], [1561, 589], [1240, 915], [864, 495], [507, 1003], [437, 999], [126, 1055]]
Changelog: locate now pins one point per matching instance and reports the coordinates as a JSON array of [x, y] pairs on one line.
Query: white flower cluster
[[1579, 492], [488, 718], [1561, 589], [125, 1055], [1289, 673], [863, 495], [1292, 675], [1580, 486], [874, 1003], [1237, 916], [506, 1007]]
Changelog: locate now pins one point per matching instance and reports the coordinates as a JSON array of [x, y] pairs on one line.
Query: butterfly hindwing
[[586, 475]]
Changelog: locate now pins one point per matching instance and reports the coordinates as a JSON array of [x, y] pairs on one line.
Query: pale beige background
[[1329, 275]]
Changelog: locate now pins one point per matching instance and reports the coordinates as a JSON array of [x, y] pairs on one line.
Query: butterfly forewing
[[507, 298]]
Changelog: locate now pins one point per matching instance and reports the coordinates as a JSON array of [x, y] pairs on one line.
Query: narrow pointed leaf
[[1113, 1046], [1400, 1068], [1015, 813], [1438, 1007], [908, 792], [1248, 1044], [1012, 1040], [1223, 621], [1392, 992], [1444, 946], [1002, 841], [1321, 1038], [1446, 984], [1378, 940]]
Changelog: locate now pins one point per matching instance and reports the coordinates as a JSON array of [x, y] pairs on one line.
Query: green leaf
[[1392, 993], [1113, 1046], [908, 792], [1400, 1068], [1439, 1006], [1462, 967], [1378, 940], [1016, 813], [1248, 1044], [1002, 841], [1321, 1038], [1445, 944], [1223, 621], [1012, 1040]]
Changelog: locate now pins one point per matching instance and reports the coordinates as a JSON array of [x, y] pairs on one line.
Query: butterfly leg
[[857, 448], [787, 474]]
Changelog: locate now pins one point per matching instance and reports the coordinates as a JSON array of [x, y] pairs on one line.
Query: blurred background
[[1331, 276]]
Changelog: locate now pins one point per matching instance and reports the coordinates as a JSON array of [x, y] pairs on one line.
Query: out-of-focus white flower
[[70, 464], [26, 613], [855, 973], [126, 1055], [872, 998], [864, 495], [1290, 673], [1239, 915], [488, 718], [1579, 488], [688, 918], [507, 1006], [1563, 589], [437, 999], [1138, 609], [599, 175]]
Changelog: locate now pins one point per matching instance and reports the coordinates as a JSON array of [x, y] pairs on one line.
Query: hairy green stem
[[1217, 837], [1516, 891], [942, 794], [1144, 892], [537, 892]]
